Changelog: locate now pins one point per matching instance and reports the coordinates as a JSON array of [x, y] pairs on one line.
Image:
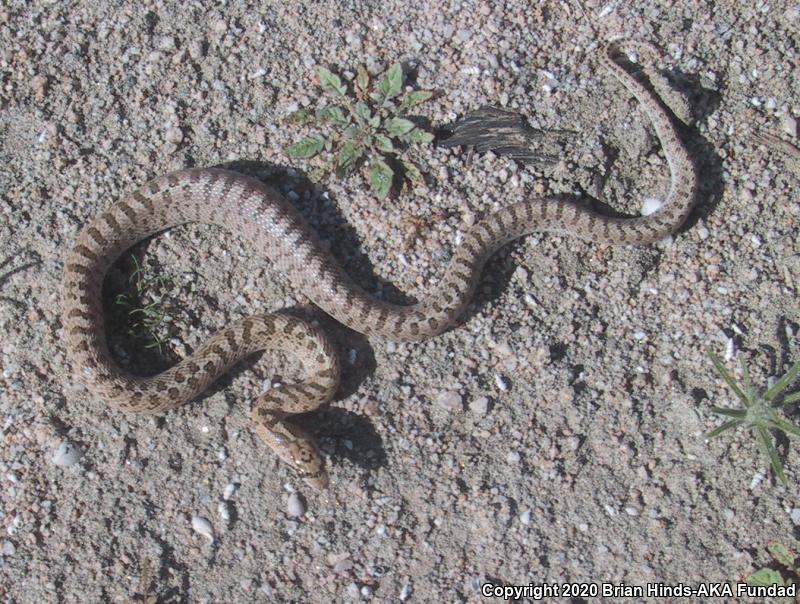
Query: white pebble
[[230, 489], [450, 400], [8, 548], [789, 125], [366, 591], [530, 301], [730, 349], [502, 382], [295, 506], [203, 527], [224, 511], [795, 515], [651, 205], [405, 592], [66, 454], [525, 517], [174, 135], [479, 405], [512, 457], [758, 478]]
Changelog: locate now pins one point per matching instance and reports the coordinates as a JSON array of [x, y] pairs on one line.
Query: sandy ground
[[557, 434]]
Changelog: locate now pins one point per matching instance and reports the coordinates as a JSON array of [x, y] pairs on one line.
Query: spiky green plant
[[146, 321], [760, 412], [364, 127]]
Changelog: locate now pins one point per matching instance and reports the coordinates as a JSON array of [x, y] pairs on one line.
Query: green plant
[[767, 576], [146, 322], [760, 411], [365, 127]]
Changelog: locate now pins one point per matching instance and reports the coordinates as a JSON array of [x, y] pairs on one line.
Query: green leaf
[[392, 83], [792, 398], [352, 132], [362, 80], [412, 173], [335, 115], [362, 113], [301, 116], [727, 377], [786, 427], [419, 136], [415, 97], [782, 554], [383, 143], [397, 126], [380, 178], [726, 426], [740, 413], [308, 147], [765, 443], [349, 154], [782, 383], [331, 82], [765, 577]]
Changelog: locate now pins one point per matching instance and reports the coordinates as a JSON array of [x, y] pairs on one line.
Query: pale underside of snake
[[277, 231]]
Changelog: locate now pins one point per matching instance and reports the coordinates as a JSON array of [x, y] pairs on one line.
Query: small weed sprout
[[760, 412], [365, 127], [148, 322], [788, 575]]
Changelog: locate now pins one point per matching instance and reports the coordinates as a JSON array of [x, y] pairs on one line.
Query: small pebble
[[8, 548], [650, 205], [405, 591], [224, 511], [230, 489], [502, 382], [295, 506], [479, 405], [789, 125], [450, 400], [203, 527], [67, 454]]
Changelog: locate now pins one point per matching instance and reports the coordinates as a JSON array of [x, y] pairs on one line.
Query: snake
[[277, 231]]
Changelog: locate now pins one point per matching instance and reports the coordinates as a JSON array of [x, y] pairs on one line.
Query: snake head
[[306, 461]]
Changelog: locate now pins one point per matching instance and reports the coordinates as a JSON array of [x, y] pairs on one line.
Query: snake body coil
[[275, 229]]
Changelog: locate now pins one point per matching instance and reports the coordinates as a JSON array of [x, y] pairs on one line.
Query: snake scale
[[276, 230]]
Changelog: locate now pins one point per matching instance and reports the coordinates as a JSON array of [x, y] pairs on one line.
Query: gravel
[[556, 434]]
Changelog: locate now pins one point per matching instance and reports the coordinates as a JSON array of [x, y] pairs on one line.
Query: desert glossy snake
[[277, 231]]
